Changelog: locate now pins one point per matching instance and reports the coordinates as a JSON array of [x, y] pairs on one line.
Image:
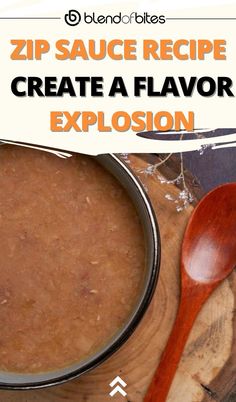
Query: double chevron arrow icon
[[119, 384]]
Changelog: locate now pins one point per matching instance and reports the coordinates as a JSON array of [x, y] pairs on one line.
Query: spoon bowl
[[208, 252]]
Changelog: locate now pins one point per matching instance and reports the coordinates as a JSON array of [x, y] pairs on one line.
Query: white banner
[[94, 84]]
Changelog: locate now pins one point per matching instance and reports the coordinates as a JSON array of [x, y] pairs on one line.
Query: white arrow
[[118, 380]]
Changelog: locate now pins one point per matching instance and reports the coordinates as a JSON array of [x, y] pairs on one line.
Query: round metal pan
[[145, 211]]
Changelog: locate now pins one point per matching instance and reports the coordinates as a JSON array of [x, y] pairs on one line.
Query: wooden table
[[207, 371]]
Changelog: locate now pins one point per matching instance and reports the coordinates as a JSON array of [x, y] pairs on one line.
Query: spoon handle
[[161, 382]]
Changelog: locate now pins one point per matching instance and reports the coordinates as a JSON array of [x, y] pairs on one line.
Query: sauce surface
[[72, 259]]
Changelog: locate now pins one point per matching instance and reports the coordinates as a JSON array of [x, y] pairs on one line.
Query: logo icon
[[73, 18], [118, 387]]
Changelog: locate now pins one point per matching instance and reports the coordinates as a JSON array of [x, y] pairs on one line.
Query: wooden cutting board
[[208, 366]]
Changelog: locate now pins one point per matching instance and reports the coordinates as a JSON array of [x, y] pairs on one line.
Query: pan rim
[[117, 167]]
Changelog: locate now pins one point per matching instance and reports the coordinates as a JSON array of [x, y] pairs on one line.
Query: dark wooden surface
[[212, 167]]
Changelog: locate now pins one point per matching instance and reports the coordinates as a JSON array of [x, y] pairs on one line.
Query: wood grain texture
[[209, 347]]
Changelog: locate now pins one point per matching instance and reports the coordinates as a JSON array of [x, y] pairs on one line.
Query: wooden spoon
[[208, 257]]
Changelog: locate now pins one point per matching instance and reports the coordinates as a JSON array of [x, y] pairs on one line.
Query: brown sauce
[[71, 260]]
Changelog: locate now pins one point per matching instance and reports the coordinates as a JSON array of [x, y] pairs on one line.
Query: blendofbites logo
[[74, 17]]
